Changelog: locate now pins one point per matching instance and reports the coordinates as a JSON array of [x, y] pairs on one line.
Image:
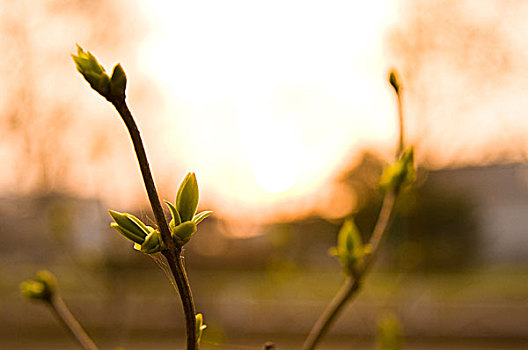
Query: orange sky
[[272, 97], [265, 102]]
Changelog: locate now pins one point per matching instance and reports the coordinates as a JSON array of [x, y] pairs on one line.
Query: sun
[[275, 172], [275, 178], [265, 114]]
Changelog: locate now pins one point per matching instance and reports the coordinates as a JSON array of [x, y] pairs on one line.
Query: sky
[[268, 102], [271, 96]]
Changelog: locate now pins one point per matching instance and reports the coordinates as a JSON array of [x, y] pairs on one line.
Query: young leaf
[[153, 243], [187, 197], [92, 71], [176, 220], [350, 249], [130, 223], [400, 174], [183, 232], [127, 234], [118, 82], [200, 327], [201, 216], [146, 229]]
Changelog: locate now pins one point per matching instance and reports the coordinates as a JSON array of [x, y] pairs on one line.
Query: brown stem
[[175, 262], [124, 112], [173, 252], [329, 315], [382, 224], [67, 319], [352, 283], [401, 141]]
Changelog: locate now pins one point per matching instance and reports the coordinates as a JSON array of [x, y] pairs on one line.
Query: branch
[[113, 89], [353, 281], [43, 288], [173, 252], [177, 268], [67, 319], [352, 284], [124, 112]]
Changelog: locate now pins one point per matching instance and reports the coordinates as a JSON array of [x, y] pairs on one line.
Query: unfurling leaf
[[176, 220], [350, 249], [127, 234], [201, 216], [200, 327], [152, 244], [400, 174], [146, 239], [184, 218], [92, 71], [187, 197], [183, 232], [118, 82], [129, 226]]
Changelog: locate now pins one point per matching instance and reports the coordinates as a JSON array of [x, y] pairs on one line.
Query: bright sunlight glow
[[270, 97]]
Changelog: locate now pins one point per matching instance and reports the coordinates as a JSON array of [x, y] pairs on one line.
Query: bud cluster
[[400, 174], [109, 87], [184, 217], [182, 226], [146, 239], [42, 287], [350, 249]]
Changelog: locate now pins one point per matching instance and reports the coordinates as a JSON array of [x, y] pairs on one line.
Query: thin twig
[[328, 316], [173, 252], [155, 203], [401, 141], [177, 268], [352, 284], [382, 224], [67, 319]]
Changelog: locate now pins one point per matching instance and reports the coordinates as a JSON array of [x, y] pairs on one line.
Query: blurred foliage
[[390, 336], [60, 218], [434, 227], [41, 288]]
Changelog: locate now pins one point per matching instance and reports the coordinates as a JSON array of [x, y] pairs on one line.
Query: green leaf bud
[[33, 290], [183, 232], [200, 327], [176, 220], [146, 229], [187, 197], [389, 335], [350, 249], [41, 288], [118, 82], [153, 243], [400, 174], [92, 71], [129, 222], [201, 216], [127, 234], [394, 81], [130, 226]]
